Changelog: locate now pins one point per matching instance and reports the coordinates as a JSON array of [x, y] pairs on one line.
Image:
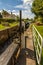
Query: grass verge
[[2, 27], [40, 29]]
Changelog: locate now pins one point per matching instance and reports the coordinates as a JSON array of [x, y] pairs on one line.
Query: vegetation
[[27, 20], [42, 57], [5, 13], [40, 29], [7, 20], [2, 27], [13, 24], [5, 23], [17, 18], [37, 9]]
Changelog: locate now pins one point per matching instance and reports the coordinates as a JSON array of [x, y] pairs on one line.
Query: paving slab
[[27, 56], [30, 59]]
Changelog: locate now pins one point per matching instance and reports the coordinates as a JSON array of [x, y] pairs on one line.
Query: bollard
[[26, 40]]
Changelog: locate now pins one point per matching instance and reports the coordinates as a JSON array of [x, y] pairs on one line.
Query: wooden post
[[20, 25]]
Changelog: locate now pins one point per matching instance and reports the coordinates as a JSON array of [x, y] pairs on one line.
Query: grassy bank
[[2, 27], [42, 58], [40, 29]]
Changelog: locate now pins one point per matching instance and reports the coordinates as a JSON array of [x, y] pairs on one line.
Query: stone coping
[[7, 54]]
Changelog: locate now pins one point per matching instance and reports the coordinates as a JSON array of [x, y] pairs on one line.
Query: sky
[[15, 5]]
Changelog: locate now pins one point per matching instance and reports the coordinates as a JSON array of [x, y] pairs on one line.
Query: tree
[[37, 8], [17, 18], [4, 13]]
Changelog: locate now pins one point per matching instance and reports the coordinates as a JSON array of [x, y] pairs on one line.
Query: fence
[[37, 40]]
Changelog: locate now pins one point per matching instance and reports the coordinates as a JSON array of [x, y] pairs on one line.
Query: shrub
[[10, 20], [7, 20]]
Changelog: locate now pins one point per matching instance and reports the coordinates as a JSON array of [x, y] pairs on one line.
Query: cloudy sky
[[16, 5]]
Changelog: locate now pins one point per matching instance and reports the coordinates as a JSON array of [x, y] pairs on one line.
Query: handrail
[[37, 31], [38, 43]]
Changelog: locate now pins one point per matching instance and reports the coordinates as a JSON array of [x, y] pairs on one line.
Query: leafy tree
[[37, 7]]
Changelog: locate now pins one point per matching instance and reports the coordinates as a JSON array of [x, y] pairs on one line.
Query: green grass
[[40, 29], [42, 57], [10, 25], [13, 24], [2, 27]]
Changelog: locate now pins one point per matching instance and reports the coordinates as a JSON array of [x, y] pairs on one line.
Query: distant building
[[7, 15]]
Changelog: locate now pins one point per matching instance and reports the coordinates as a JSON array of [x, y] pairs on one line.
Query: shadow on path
[[25, 53], [30, 54]]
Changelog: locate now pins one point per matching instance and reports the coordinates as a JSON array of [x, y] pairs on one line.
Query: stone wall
[[5, 34]]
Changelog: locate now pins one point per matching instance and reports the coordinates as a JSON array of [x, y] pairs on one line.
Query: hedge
[[7, 20]]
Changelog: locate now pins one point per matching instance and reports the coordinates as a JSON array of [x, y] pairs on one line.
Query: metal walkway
[[27, 56]]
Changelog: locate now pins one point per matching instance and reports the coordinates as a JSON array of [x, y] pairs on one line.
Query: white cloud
[[16, 12], [0, 10], [27, 14], [23, 7], [27, 6], [9, 11], [19, 6], [13, 11], [28, 2], [25, 1]]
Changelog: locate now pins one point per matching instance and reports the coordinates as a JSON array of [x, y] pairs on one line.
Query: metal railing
[[37, 40]]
